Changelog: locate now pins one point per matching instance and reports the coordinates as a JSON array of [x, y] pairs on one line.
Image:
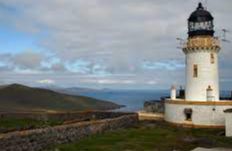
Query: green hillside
[[17, 97]]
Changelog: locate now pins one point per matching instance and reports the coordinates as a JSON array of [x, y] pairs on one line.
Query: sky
[[122, 44]]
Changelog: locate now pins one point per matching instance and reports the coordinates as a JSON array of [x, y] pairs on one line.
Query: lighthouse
[[201, 51], [201, 106]]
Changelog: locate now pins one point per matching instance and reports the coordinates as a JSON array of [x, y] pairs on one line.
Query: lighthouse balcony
[[202, 43], [184, 101]]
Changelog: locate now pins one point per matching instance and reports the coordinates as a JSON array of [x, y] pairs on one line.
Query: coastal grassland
[[12, 124], [150, 136]]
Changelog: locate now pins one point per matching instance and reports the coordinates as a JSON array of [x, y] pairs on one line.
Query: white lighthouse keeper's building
[[201, 106]]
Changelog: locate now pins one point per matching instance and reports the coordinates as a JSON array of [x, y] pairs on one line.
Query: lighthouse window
[[212, 59], [195, 71], [191, 26], [202, 25]]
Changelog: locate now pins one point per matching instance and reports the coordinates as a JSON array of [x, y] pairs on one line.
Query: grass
[[150, 136], [12, 124]]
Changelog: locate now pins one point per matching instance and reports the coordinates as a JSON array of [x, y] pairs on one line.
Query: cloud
[[27, 59], [152, 82], [166, 65], [104, 39], [46, 81], [107, 81]]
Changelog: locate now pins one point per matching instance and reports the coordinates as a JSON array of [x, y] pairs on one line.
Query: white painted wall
[[201, 115], [173, 93], [207, 75], [228, 124]]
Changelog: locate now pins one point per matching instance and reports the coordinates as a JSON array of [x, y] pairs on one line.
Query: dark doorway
[[188, 114]]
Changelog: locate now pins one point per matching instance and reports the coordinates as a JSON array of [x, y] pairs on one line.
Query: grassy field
[[150, 136], [12, 124]]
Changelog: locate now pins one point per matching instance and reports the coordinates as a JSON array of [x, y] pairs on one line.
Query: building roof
[[200, 15], [201, 22]]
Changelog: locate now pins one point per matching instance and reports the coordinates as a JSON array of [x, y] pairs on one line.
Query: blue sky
[[101, 43], [10, 38]]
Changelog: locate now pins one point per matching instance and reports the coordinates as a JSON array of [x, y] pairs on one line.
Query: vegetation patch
[[13, 124], [150, 136], [22, 98]]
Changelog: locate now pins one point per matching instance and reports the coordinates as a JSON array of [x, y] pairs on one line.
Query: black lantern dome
[[200, 22]]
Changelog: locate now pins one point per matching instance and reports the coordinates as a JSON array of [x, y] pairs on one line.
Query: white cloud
[[152, 82], [28, 59], [108, 81], [46, 81]]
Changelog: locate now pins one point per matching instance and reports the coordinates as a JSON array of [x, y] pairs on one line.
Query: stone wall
[[154, 106], [62, 116], [40, 139]]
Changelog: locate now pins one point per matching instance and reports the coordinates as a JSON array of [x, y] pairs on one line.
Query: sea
[[133, 100]]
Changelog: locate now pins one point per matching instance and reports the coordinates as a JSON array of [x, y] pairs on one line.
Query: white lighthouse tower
[[200, 107], [201, 52]]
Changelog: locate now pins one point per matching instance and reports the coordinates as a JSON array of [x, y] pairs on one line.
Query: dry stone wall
[[39, 139], [155, 106], [62, 116]]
